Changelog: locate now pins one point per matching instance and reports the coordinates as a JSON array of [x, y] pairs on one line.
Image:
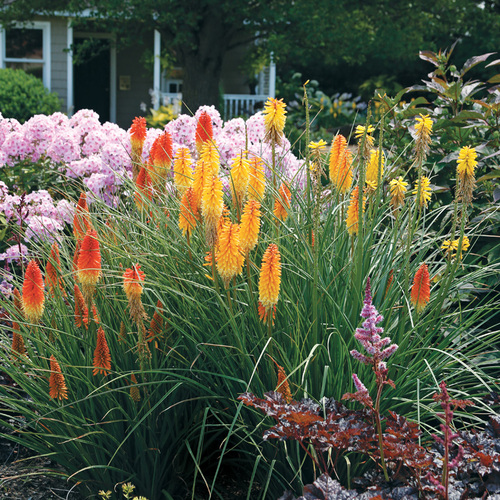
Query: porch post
[[157, 70], [272, 77], [69, 70]]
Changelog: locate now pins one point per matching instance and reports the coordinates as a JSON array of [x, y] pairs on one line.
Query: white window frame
[[46, 48]]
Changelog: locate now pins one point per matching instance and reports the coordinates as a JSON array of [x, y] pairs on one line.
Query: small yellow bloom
[[360, 132], [320, 145], [425, 191], [398, 190], [423, 125], [466, 162], [274, 119], [372, 170]]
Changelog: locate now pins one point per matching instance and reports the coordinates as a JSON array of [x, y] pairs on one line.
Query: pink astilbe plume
[[369, 335]]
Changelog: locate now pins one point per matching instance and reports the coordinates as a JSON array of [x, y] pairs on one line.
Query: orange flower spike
[[18, 347], [81, 310], [212, 205], [144, 188], [102, 356], [138, 133], [33, 297], [18, 303], [89, 261], [263, 312], [156, 325], [183, 169], [240, 176], [76, 255], [339, 146], [132, 284], [421, 289], [283, 387], [204, 130], [57, 385], [282, 203], [353, 212], [250, 226], [344, 177], [132, 281], [188, 215], [229, 257], [270, 277], [161, 158], [81, 219], [257, 179]]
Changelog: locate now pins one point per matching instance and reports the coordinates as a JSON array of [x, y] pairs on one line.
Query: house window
[[172, 86], [27, 48]]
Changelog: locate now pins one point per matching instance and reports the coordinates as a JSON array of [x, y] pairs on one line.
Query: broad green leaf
[[494, 174], [473, 61], [495, 79]]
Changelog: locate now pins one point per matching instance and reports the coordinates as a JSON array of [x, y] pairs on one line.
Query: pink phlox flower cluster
[[183, 130], [94, 141], [83, 122], [85, 166], [16, 147], [64, 148], [115, 157], [42, 228], [12, 254], [256, 128], [369, 335]]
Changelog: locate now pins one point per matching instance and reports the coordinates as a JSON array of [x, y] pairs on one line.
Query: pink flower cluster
[[98, 154]]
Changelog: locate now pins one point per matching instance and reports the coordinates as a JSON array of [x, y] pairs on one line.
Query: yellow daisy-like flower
[[360, 132], [425, 191], [398, 190], [423, 125], [274, 119]]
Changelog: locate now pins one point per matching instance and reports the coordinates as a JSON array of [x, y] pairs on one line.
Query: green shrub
[[23, 95]]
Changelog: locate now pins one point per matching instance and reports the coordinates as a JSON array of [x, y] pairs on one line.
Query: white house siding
[[59, 65]]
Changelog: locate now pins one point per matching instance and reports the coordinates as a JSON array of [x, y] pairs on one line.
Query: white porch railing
[[234, 104]]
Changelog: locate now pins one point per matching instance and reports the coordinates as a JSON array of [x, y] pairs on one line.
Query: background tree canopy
[[341, 43]]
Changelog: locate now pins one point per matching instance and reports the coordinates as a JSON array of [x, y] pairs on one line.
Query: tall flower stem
[[214, 273]]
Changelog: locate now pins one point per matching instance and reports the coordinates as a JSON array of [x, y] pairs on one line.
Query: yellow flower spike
[[274, 119], [210, 155], [250, 226], [360, 132], [270, 278], [240, 176], [466, 165], [372, 173], [212, 205], [398, 189], [317, 146], [425, 192], [257, 179], [352, 220], [229, 257], [188, 215], [423, 125], [183, 169], [201, 173]]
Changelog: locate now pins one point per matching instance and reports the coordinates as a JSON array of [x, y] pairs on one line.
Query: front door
[[91, 75]]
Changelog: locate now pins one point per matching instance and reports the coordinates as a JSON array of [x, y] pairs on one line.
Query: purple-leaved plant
[[378, 349]]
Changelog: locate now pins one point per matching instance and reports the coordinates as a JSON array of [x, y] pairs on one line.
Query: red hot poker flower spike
[[33, 297]]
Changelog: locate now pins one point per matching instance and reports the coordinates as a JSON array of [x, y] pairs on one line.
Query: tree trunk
[[202, 63], [201, 83]]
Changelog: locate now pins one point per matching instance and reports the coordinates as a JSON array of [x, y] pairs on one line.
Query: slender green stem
[[379, 430]]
